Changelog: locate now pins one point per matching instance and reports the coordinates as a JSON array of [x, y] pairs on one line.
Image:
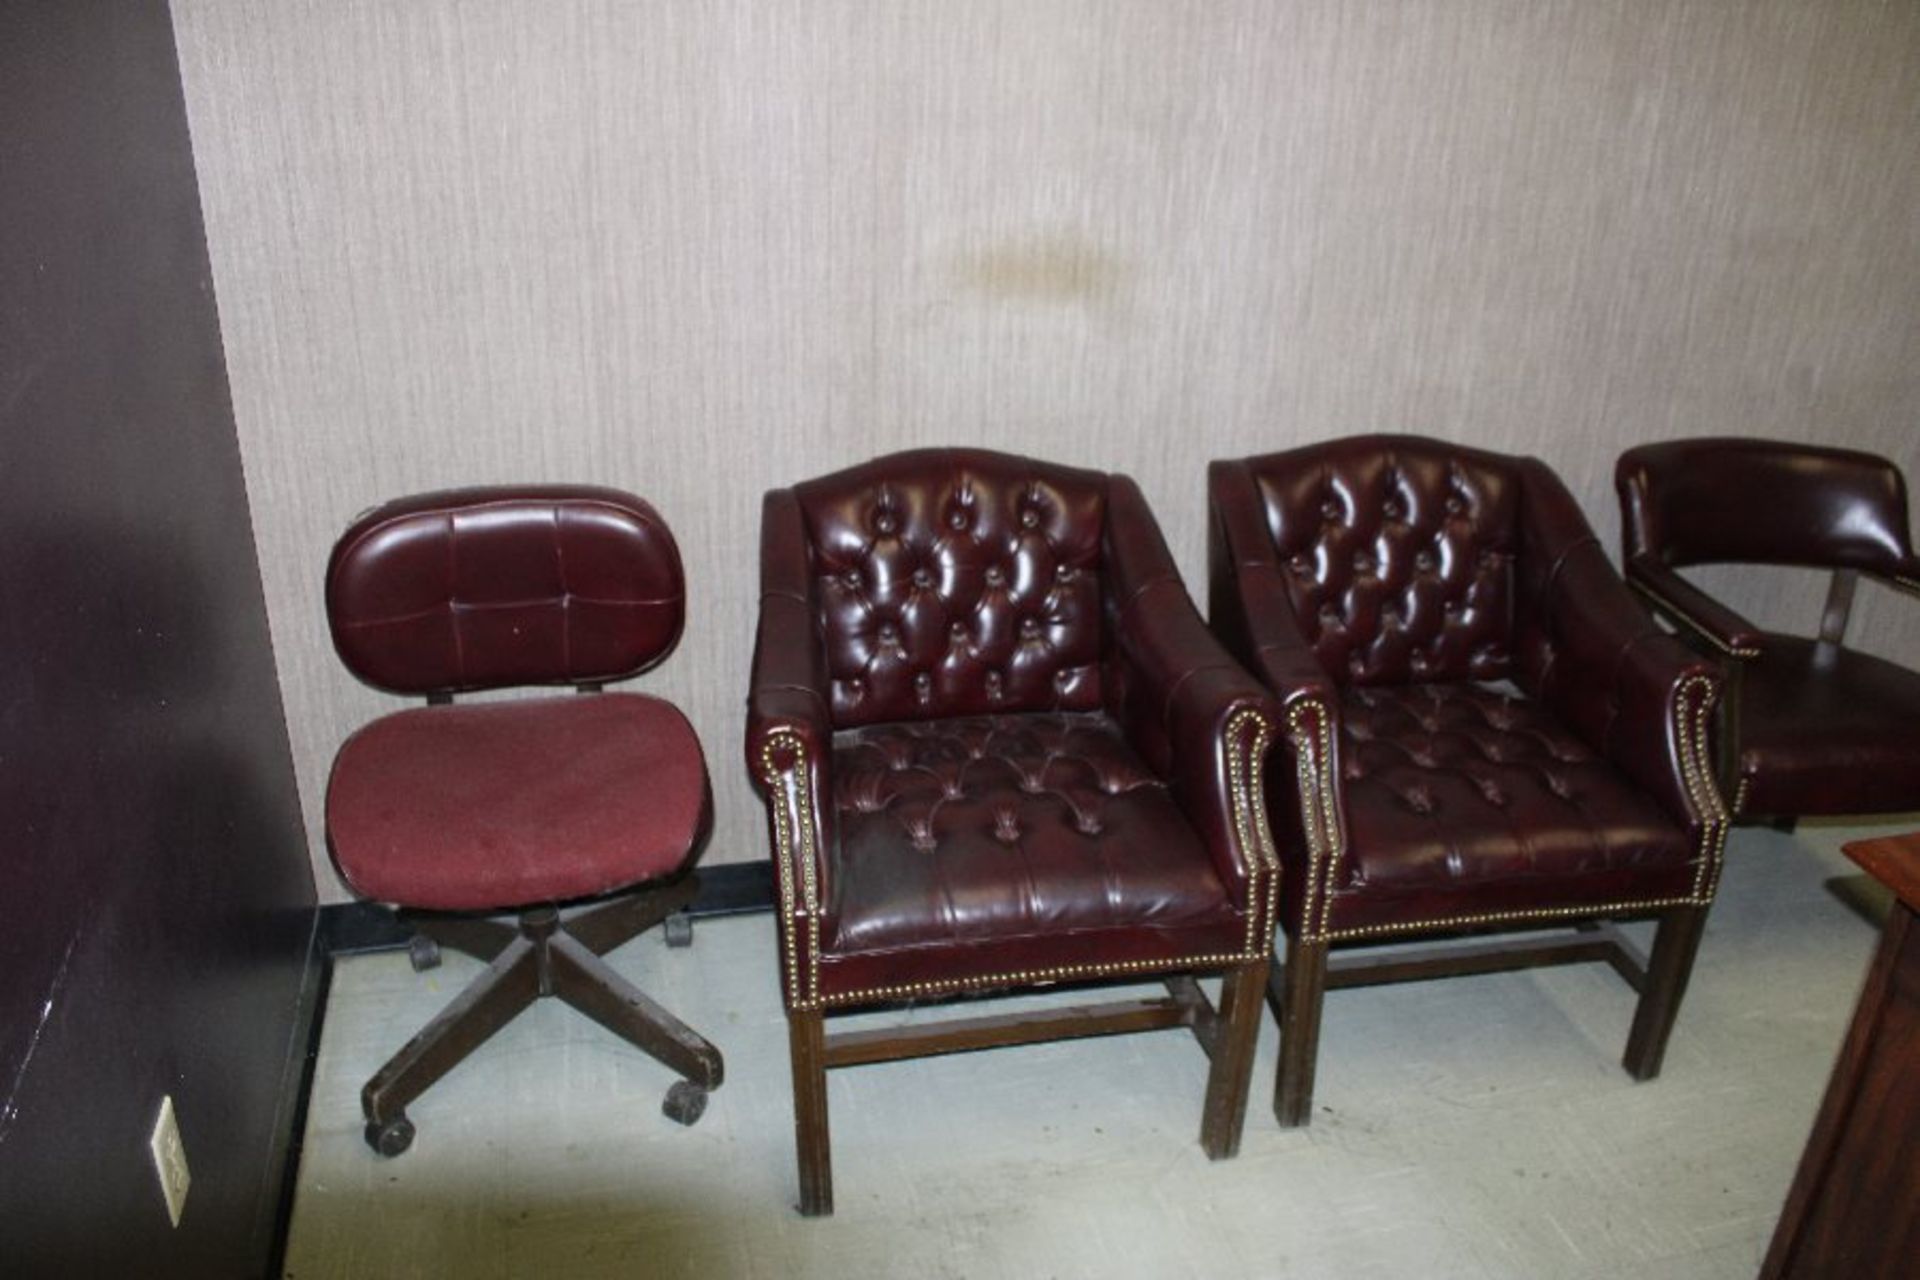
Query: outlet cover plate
[[170, 1160]]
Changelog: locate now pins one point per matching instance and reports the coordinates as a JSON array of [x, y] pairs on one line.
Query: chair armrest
[[1252, 614], [790, 740], [1591, 654], [1673, 597], [1190, 711], [1905, 580]]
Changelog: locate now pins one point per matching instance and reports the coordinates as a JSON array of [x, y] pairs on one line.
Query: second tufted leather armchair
[[1000, 750], [1809, 726], [1486, 730]]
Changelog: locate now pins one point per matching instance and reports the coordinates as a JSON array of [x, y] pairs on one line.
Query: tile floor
[[1466, 1127]]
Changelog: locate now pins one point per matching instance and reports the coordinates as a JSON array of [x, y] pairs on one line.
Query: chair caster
[[679, 928], [423, 953], [391, 1138], [686, 1102]]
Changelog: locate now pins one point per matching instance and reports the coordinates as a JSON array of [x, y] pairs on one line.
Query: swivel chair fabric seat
[[455, 812]]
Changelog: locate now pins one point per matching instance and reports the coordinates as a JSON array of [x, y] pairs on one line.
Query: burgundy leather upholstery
[[1398, 565], [437, 807], [488, 588], [946, 588], [1460, 792], [1835, 734], [997, 743], [1376, 585], [1818, 731], [1723, 500], [515, 803]]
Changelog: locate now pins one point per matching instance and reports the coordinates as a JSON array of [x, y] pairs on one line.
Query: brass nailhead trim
[[1027, 978], [1502, 917], [1740, 793], [1313, 762], [1693, 624], [796, 782], [1245, 759]]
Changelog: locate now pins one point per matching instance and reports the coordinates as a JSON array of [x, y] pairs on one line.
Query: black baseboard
[[354, 928]]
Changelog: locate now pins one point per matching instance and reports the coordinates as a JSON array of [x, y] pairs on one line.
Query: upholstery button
[[1331, 509], [889, 635], [1452, 606], [993, 684], [1392, 511], [922, 578], [923, 686], [995, 575], [885, 522], [1029, 518], [1301, 564], [852, 580], [1455, 506], [1329, 615], [1362, 563], [1423, 560], [1063, 573], [957, 519], [958, 631], [1029, 626]]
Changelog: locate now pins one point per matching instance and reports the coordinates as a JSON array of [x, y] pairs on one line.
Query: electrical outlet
[[170, 1160]]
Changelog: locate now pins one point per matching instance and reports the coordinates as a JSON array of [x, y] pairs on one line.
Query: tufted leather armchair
[[1485, 729], [1808, 726], [1000, 750]]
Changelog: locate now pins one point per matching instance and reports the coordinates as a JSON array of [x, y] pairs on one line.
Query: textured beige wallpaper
[[701, 248]]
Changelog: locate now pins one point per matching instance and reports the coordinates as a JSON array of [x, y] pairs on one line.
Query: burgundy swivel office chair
[[454, 813]]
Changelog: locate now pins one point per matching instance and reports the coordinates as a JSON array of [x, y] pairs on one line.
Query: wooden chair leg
[[1303, 984], [1667, 973], [806, 1036], [1225, 1114]]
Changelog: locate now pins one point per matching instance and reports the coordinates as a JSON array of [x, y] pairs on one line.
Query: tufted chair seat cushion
[[1471, 791], [1835, 736], [983, 845]]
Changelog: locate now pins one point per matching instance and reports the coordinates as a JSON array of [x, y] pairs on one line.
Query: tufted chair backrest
[[1719, 501], [1397, 554], [957, 582], [492, 587]]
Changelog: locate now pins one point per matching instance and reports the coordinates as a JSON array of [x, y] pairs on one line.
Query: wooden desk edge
[[1892, 860]]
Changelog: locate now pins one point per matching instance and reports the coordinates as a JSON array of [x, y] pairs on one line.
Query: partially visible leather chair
[[456, 812], [1808, 725], [1000, 750], [1484, 730]]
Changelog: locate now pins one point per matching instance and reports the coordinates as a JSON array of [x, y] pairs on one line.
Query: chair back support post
[[1833, 618]]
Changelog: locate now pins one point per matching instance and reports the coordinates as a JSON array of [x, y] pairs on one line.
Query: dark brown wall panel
[[155, 896]]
